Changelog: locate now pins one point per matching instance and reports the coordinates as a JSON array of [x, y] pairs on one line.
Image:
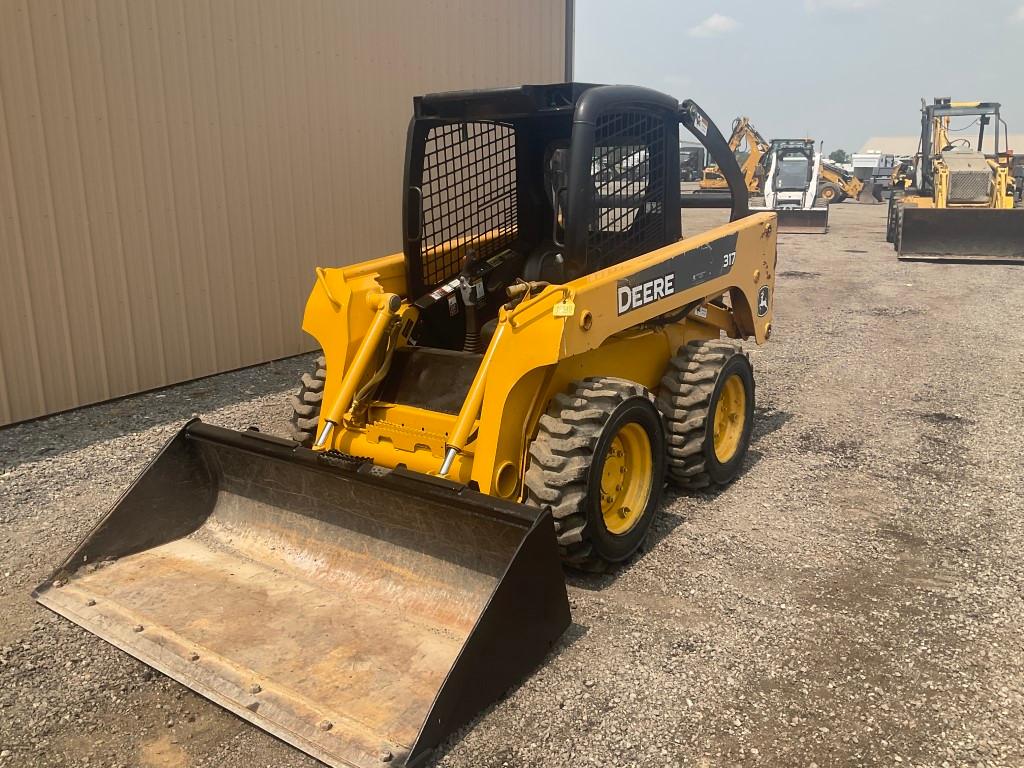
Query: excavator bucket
[[357, 613], [961, 234], [807, 221]]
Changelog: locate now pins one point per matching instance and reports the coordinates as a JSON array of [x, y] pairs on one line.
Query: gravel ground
[[854, 599]]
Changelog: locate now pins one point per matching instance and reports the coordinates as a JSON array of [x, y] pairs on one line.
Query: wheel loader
[[955, 200], [507, 395], [836, 185]]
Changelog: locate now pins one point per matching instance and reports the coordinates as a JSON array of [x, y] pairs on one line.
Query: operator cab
[[525, 187], [794, 173], [794, 166]]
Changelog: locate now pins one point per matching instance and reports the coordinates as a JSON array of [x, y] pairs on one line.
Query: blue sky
[[836, 70]]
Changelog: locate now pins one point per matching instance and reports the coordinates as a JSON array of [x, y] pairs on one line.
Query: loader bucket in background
[[359, 614], [870, 193], [961, 234], [810, 221]]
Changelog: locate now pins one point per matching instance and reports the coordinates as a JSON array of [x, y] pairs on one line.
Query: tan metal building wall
[[907, 145], [171, 171]]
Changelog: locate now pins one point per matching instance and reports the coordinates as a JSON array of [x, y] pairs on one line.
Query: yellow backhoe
[[955, 200], [836, 185], [744, 134], [506, 395]]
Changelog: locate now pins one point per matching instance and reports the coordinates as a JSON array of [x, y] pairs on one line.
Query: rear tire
[[598, 461], [829, 194], [707, 399], [306, 404]]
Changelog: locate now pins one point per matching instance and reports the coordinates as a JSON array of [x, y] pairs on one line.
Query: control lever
[[471, 287]]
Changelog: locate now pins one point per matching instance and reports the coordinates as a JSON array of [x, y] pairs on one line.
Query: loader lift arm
[[707, 133]]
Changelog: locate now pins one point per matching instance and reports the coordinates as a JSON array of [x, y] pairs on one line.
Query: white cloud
[[715, 24], [840, 5], [1018, 15]]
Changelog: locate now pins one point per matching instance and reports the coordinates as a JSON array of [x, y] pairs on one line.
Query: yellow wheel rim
[[828, 193], [730, 416], [626, 479]]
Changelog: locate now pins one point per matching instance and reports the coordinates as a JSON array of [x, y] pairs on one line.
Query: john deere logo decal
[[762, 301], [685, 270], [647, 292]]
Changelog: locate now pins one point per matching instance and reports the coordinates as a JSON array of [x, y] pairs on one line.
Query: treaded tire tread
[[897, 241], [684, 399], [560, 457], [306, 404], [837, 194], [890, 221]]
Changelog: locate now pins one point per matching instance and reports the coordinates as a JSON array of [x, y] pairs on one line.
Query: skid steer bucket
[[961, 234], [359, 614], [807, 221]]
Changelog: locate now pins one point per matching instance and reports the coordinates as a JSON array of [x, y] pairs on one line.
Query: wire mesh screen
[[629, 180], [469, 195]]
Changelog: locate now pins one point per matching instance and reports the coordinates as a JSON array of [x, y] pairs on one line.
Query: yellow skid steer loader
[[507, 394]]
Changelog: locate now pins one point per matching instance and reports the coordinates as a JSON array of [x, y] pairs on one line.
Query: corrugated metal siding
[[172, 170]]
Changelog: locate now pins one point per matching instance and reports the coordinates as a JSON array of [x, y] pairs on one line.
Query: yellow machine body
[[565, 333], [846, 184], [955, 201]]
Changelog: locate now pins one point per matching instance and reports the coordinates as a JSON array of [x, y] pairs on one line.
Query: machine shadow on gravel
[[665, 524], [768, 420]]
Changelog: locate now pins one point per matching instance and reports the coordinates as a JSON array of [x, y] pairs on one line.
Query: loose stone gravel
[[855, 598]]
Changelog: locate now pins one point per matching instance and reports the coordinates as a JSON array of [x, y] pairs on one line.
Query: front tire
[[306, 404], [599, 462], [829, 194]]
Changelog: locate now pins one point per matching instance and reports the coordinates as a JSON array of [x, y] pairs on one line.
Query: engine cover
[[970, 177]]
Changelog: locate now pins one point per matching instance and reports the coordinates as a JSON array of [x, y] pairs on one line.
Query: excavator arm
[[757, 147]]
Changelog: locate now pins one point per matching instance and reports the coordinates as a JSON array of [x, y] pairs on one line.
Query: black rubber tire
[[306, 404], [890, 222], [688, 397], [897, 241], [566, 460], [835, 194]]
